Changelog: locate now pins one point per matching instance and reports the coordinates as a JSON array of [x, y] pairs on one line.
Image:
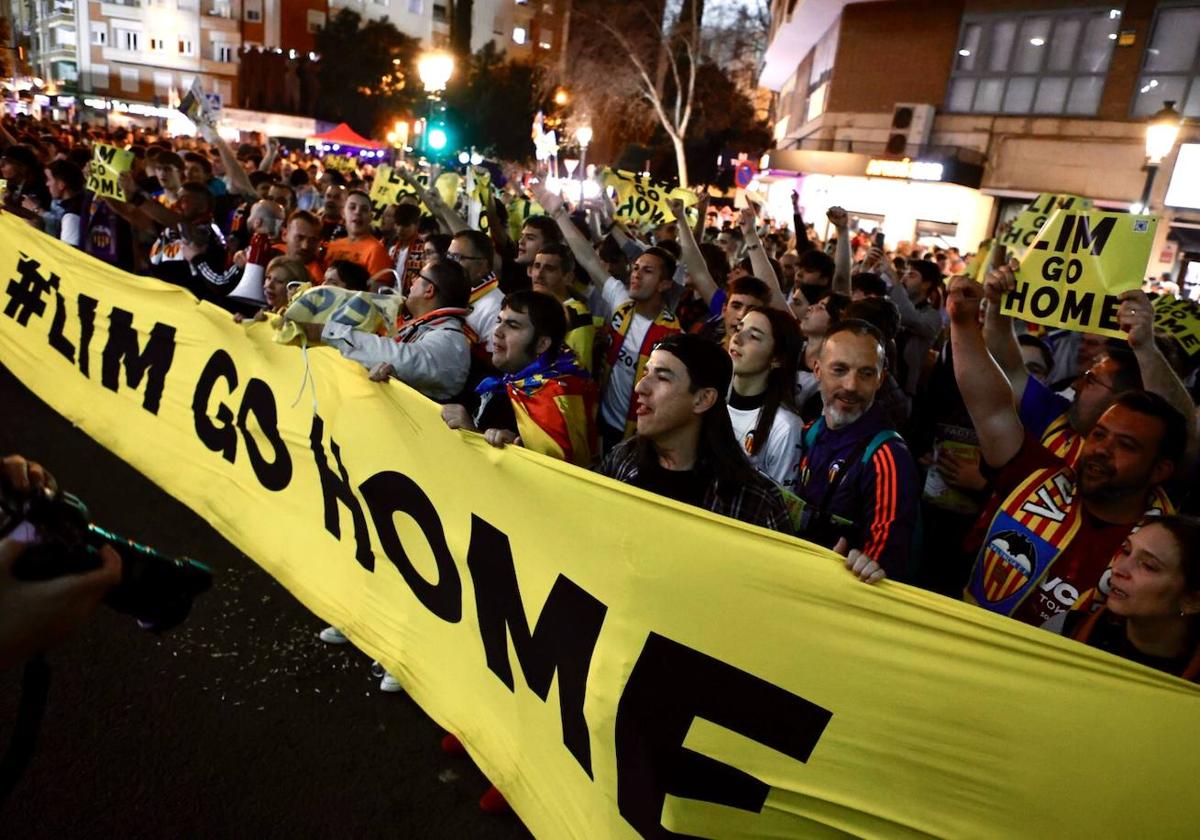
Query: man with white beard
[[857, 478]]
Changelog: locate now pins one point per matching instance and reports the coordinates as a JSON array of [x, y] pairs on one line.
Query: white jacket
[[431, 354]]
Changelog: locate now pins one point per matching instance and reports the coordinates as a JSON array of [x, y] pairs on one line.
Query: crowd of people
[[871, 400]]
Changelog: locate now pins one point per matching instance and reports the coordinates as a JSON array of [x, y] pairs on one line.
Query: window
[[157, 44], [129, 79], [127, 39], [99, 34], [415, 7], [519, 35], [98, 76], [162, 84], [253, 14], [440, 15], [223, 53], [186, 47], [1044, 62], [316, 19], [1171, 68]]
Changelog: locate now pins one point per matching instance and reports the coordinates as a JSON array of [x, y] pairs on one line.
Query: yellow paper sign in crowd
[[1077, 267], [1179, 319], [643, 201], [1020, 235], [106, 166], [618, 664]]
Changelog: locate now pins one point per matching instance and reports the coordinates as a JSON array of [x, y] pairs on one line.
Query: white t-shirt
[[779, 460], [483, 315], [614, 409]]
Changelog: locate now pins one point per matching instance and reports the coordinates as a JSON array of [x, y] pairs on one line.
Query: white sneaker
[[332, 636], [390, 684]]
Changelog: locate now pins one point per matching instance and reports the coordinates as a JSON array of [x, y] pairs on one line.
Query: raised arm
[[763, 269], [841, 271], [446, 216], [998, 331], [239, 181], [803, 243], [1136, 317], [585, 256], [693, 260], [984, 389]]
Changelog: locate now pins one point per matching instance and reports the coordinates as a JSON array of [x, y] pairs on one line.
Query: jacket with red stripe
[[876, 495]]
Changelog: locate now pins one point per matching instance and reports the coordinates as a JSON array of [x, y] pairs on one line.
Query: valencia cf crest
[[1009, 560]]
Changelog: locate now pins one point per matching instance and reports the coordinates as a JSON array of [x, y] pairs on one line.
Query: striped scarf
[[666, 324]]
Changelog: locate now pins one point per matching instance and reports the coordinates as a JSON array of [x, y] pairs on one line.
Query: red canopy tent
[[344, 135]]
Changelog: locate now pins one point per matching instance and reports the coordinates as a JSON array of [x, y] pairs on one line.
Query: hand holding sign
[[1136, 318], [107, 165], [1000, 281]]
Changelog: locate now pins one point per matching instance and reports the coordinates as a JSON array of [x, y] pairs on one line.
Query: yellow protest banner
[[520, 209], [1020, 235], [617, 663], [388, 188], [641, 200], [340, 163], [108, 162], [1077, 266], [1179, 319]]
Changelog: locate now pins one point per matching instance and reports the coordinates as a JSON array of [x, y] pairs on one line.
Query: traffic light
[[437, 138]]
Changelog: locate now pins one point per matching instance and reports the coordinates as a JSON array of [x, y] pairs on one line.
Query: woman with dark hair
[[1150, 613], [764, 349]]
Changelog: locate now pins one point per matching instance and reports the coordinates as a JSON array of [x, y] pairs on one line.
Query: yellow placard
[[1077, 266], [1024, 229], [387, 189], [520, 209], [617, 663], [340, 163], [108, 162], [643, 201], [1180, 319]]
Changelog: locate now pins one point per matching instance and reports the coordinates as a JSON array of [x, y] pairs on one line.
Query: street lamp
[[1161, 134], [584, 135]]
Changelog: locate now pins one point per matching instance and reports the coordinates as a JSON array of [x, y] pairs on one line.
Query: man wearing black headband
[[684, 447]]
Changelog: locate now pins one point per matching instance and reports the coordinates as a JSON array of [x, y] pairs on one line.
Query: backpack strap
[[878, 441]]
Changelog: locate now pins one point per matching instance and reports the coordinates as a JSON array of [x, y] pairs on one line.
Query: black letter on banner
[[1077, 306], [221, 438], [87, 326], [57, 340], [123, 346], [671, 685], [1045, 301], [1016, 298], [336, 489], [563, 638], [387, 493], [273, 475], [1108, 313], [1085, 238]]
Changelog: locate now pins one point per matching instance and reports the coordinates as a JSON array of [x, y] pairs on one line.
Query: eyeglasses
[[1093, 379], [460, 257], [430, 281]]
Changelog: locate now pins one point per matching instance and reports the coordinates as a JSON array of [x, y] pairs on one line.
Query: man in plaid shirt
[[684, 447]]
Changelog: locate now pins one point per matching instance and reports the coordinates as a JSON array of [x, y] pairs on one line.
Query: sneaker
[[332, 636], [493, 802], [390, 684]]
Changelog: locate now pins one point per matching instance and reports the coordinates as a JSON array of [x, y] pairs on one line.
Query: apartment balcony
[[126, 9], [59, 17]]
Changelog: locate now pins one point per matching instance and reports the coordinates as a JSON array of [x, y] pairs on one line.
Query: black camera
[[155, 589]]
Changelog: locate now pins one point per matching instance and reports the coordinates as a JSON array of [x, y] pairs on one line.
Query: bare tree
[[672, 101]]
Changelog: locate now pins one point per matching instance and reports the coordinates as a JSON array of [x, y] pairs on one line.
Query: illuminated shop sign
[[916, 170]]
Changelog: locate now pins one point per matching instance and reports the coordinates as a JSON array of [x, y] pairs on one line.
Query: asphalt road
[[240, 723]]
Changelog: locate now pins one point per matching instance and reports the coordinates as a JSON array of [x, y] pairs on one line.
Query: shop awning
[[344, 135]]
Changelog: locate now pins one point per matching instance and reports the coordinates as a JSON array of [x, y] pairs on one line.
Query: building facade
[[534, 30], [938, 120]]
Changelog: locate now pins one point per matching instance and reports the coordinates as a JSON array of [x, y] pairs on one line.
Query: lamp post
[[1161, 134], [435, 69], [584, 135]]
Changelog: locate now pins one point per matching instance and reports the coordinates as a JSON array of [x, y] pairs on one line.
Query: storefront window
[[1033, 63], [1171, 69]]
